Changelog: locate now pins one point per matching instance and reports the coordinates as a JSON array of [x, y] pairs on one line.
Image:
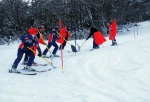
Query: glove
[[39, 54]]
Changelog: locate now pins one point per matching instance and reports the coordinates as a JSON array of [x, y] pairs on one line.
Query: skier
[[52, 41], [40, 40], [98, 38], [40, 36], [112, 32], [64, 34], [29, 41]]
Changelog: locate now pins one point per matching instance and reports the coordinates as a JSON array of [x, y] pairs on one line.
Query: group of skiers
[[30, 43]]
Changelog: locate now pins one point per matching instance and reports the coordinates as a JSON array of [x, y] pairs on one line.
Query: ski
[[39, 64], [53, 66], [51, 56], [90, 49], [23, 73], [36, 64], [42, 65], [39, 71], [93, 49], [54, 57], [67, 51], [114, 45], [46, 57]]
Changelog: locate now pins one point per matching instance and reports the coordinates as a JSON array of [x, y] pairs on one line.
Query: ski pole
[[134, 27], [137, 29], [44, 41], [76, 43], [83, 43], [42, 57]]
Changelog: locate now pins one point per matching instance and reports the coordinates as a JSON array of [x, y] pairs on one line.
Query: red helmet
[[32, 31]]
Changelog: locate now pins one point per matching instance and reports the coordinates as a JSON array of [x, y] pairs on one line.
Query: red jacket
[[41, 39], [112, 30], [99, 38], [64, 34]]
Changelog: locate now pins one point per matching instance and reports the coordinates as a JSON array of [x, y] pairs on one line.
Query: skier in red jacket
[[113, 32], [64, 34]]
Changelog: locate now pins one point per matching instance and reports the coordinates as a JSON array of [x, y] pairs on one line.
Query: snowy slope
[[109, 74]]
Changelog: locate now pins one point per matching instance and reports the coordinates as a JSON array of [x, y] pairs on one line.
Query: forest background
[[16, 15]]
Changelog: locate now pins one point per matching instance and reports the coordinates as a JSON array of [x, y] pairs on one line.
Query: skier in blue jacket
[[52, 42], [29, 42]]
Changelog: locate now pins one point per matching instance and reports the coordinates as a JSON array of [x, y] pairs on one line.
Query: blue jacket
[[52, 37], [29, 41]]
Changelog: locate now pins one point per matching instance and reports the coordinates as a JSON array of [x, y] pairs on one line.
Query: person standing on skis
[[52, 42], [113, 32], [29, 43], [39, 35], [64, 34], [98, 38]]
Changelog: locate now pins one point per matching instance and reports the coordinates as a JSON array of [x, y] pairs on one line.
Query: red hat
[[32, 31]]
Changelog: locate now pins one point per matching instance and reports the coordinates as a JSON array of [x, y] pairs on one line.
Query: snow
[[109, 74]]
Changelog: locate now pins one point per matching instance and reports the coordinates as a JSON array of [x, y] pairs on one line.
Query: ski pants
[[63, 45], [20, 55], [49, 46], [94, 44], [113, 41]]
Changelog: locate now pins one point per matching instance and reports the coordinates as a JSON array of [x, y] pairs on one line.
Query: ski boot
[[28, 68], [54, 55], [44, 56], [13, 70]]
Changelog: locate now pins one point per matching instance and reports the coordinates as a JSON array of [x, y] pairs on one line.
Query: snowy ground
[[109, 74]]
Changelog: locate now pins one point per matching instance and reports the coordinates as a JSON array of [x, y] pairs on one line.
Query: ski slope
[[109, 74]]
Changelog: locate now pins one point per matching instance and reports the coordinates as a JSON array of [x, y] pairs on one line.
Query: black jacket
[[92, 31]]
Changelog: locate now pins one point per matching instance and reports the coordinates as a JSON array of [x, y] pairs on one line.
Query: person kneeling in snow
[[29, 43]]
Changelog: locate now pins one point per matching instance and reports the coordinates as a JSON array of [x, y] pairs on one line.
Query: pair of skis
[[35, 64], [25, 72]]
